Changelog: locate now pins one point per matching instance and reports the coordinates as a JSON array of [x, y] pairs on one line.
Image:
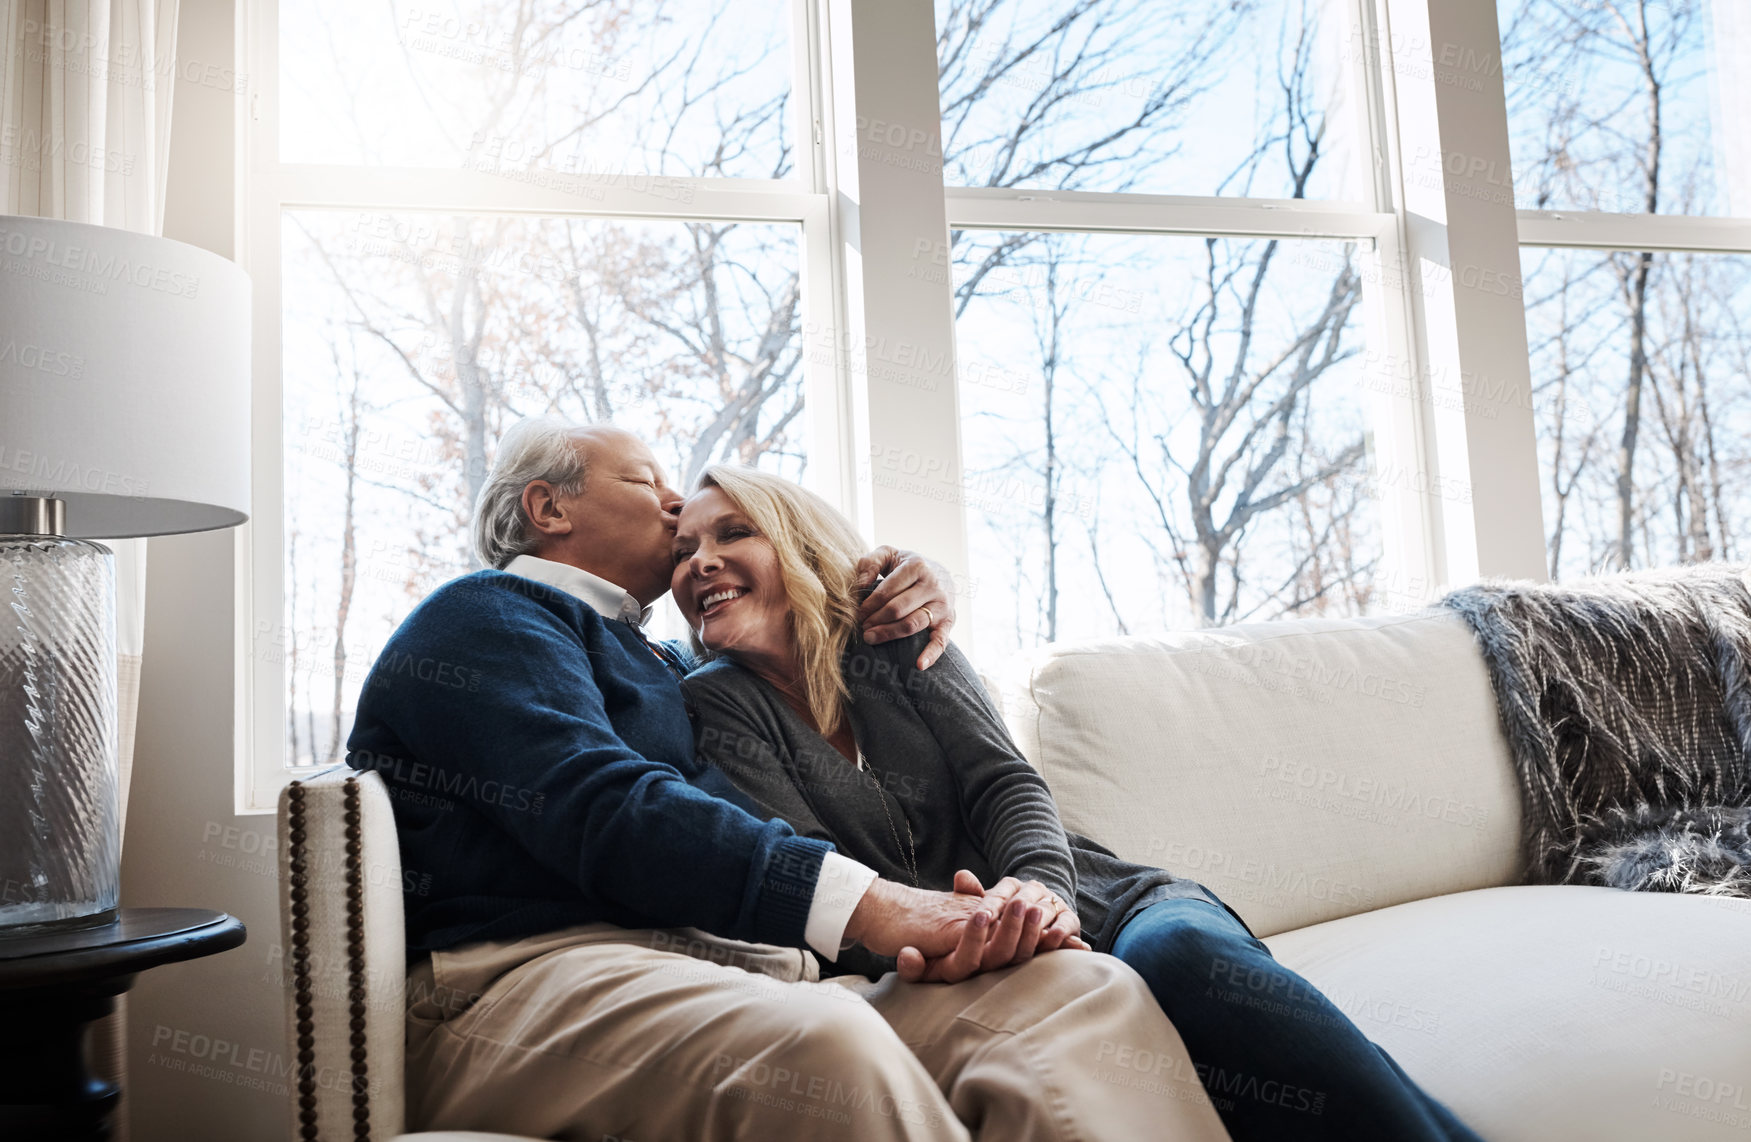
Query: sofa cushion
[[1303, 770], [1547, 1013]]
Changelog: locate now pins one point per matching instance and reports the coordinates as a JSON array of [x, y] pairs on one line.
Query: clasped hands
[[948, 936]]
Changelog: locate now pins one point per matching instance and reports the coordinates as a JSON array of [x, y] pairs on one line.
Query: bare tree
[[351, 423], [516, 86], [293, 578], [1011, 88], [1244, 409], [1327, 567], [738, 381], [1091, 528], [1633, 277], [1732, 332], [1680, 368], [1049, 340], [1590, 151], [1573, 356], [1248, 397]]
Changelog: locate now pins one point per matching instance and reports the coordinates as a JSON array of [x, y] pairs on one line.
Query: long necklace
[[911, 850]]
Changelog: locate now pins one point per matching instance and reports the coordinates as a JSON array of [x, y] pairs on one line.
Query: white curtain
[[85, 92]]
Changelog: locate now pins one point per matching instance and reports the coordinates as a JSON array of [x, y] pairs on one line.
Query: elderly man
[[609, 945]]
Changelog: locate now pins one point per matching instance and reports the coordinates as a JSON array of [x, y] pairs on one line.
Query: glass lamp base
[[60, 833]]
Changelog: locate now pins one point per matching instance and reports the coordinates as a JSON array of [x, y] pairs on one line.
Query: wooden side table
[[54, 985]]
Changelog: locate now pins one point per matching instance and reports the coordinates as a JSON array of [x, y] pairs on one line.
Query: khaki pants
[[602, 1033]]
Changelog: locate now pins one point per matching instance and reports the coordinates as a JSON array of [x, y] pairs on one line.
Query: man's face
[[624, 520]]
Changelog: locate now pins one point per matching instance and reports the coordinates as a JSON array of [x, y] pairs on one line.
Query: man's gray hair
[[535, 449]]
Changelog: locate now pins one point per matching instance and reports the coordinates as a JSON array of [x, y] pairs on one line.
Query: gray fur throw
[[1626, 702]]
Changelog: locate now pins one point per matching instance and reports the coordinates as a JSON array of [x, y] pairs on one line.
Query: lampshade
[[124, 378]]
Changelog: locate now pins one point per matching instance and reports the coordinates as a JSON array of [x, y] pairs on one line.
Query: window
[[1160, 432], [1160, 96], [1623, 151], [603, 92], [1619, 107], [1163, 432], [1689, 403], [1233, 337], [469, 215], [411, 341]]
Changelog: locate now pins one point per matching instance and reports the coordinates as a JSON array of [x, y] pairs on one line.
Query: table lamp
[[124, 411]]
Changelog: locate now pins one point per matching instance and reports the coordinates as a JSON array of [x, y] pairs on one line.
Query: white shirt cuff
[[842, 884]]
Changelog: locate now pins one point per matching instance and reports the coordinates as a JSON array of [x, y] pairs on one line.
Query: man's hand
[[934, 935], [1058, 926], [914, 595]]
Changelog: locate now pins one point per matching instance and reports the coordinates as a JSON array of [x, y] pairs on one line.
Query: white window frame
[[1665, 233], [851, 60]]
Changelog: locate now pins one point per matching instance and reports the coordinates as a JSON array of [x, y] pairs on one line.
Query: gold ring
[[929, 619]]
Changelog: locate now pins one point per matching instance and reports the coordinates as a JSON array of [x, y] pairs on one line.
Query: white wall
[[183, 844]]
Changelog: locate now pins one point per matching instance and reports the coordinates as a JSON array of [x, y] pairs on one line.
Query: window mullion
[[808, 119], [1667, 232], [897, 339], [1411, 548], [976, 208], [830, 388], [260, 631], [612, 195], [1462, 270]]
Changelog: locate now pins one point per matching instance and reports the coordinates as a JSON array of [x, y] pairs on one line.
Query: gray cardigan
[[942, 761]]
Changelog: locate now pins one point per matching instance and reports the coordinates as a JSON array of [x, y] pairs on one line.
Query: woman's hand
[[934, 936], [914, 595], [1040, 919]]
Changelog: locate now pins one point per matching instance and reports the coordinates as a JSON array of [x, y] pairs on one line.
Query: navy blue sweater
[[543, 774]]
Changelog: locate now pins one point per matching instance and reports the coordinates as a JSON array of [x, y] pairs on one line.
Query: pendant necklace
[[911, 850]]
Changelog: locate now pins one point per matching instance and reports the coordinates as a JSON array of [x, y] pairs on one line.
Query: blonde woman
[[913, 773]]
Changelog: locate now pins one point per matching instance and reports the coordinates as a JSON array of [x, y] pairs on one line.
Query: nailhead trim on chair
[[356, 962], [306, 1029]]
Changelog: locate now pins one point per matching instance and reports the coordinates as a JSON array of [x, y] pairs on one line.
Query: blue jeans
[[1278, 1059]]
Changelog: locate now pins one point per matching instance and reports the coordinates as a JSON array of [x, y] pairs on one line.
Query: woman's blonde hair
[[817, 551]]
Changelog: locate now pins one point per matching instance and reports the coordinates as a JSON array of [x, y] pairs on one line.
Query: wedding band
[[929, 619]]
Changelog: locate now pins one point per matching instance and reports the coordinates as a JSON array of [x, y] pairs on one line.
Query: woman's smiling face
[[727, 581]]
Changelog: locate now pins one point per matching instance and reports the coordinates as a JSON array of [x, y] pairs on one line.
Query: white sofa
[[1342, 784]]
